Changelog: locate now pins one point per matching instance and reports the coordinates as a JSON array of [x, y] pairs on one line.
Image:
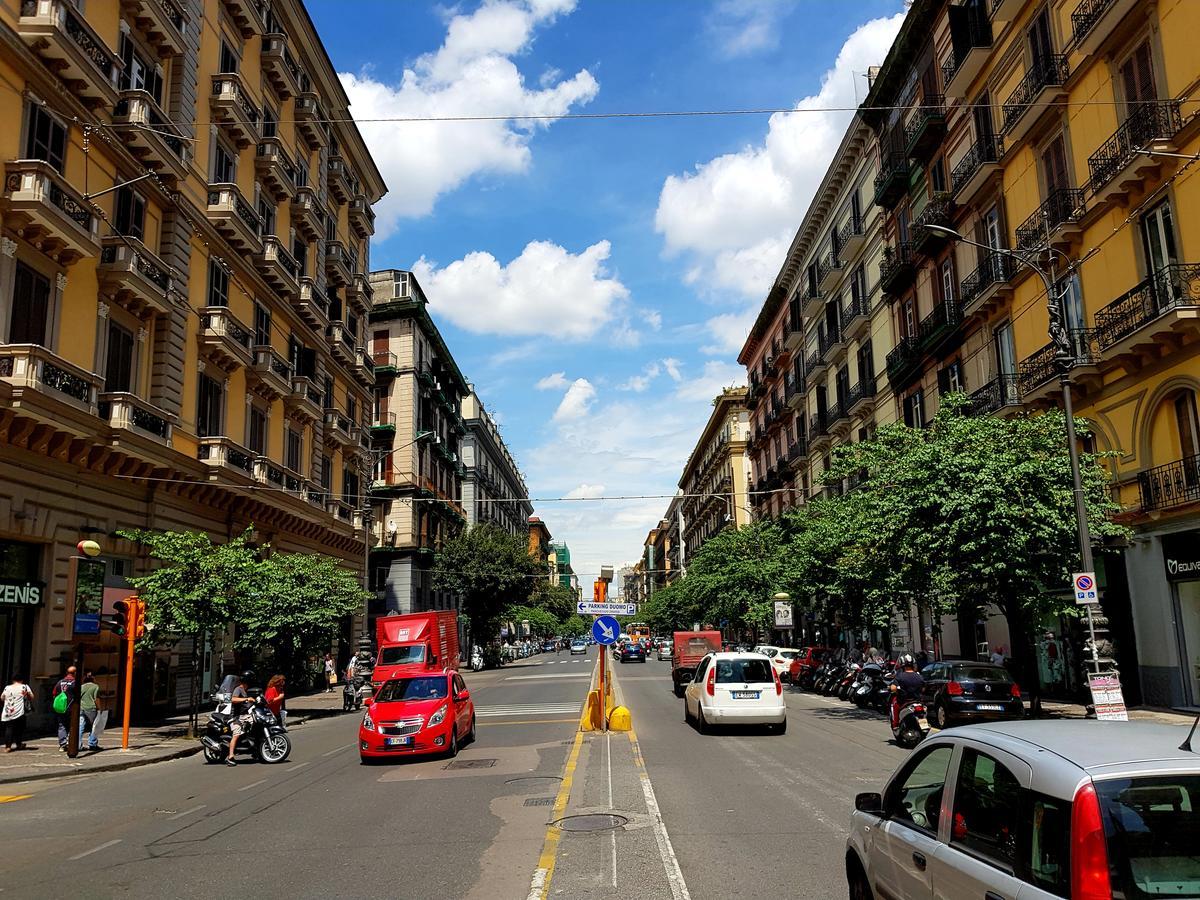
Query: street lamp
[[1062, 358]]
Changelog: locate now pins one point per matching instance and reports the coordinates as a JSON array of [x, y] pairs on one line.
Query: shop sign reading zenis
[[21, 592]]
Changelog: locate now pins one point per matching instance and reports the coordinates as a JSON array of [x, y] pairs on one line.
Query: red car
[[809, 659], [417, 714]]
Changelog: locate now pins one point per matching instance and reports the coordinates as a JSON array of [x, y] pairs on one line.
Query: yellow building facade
[[185, 218]]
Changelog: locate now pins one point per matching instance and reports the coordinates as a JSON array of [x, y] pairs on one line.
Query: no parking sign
[[1084, 585]]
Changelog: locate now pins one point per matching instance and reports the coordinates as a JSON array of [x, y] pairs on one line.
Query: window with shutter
[[218, 284], [262, 324], [30, 311], [46, 139], [257, 430], [1137, 78], [1054, 165], [118, 369], [131, 213]]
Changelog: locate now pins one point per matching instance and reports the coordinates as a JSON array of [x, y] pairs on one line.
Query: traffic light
[[139, 624], [122, 618]]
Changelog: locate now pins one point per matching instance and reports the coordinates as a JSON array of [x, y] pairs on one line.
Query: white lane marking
[[528, 709], [555, 675], [252, 784], [337, 750], [679, 889], [295, 767], [613, 833], [103, 846], [186, 812]]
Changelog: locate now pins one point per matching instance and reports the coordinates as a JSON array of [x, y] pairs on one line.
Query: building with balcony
[[815, 354], [539, 544], [715, 483], [416, 442], [1067, 130], [493, 488], [155, 369]]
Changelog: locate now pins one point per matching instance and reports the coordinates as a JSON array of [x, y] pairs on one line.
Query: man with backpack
[[61, 700]]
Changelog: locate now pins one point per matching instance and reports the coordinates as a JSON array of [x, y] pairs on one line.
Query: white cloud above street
[[743, 27], [552, 382], [576, 402], [473, 73]]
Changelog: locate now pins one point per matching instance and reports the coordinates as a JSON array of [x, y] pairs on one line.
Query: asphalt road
[[319, 824], [749, 812]]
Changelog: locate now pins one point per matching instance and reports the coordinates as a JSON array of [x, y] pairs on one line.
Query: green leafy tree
[[556, 599], [200, 589], [574, 626], [541, 623], [302, 600], [490, 570]]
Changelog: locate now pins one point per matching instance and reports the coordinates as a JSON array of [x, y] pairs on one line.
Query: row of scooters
[[868, 685]]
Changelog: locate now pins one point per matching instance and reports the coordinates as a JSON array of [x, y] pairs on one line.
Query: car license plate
[[989, 707], [745, 695], [399, 741]]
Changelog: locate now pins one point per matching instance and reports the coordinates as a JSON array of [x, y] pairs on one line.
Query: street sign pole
[[603, 688]]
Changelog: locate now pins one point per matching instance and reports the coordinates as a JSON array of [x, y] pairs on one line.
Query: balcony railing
[[232, 108], [927, 127], [60, 218], [1042, 366], [892, 180], [938, 211], [222, 452], [994, 269], [998, 393], [897, 270], [125, 411], [1061, 207], [830, 340], [903, 360], [1085, 17], [985, 151], [33, 366], [978, 36], [1173, 484], [58, 32], [147, 128], [853, 228], [1049, 71], [859, 392], [1149, 122], [1176, 286], [942, 321]]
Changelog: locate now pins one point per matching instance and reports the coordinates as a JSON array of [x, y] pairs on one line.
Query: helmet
[[247, 676], [906, 661]]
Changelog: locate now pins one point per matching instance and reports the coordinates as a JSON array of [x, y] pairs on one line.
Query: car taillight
[[1015, 690], [711, 684], [1089, 855], [778, 683], [953, 688]]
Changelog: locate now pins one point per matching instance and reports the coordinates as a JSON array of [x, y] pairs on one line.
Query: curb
[[189, 750]]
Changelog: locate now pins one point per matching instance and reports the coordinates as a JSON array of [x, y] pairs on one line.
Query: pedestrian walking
[[90, 707], [17, 701], [275, 695], [330, 673], [60, 701]]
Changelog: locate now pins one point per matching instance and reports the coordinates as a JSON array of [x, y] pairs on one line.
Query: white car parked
[[735, 689]]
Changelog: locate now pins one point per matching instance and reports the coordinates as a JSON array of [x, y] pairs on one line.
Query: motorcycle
[[263, 737], [910, 722], [355, 691]]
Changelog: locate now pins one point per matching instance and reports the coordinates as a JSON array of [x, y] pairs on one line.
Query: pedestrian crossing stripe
[[526, 709]]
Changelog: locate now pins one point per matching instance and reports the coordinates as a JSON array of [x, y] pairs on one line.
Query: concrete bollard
[[619, 719], [592, 720]]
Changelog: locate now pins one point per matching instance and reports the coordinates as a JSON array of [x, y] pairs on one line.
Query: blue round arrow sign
[[605, 630]]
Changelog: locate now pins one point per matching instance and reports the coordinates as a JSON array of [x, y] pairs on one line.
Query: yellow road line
[[9, 798], [540, 885], [520, 722]]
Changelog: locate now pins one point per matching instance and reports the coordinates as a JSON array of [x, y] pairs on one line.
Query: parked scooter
[[910, 722], [264, 738]]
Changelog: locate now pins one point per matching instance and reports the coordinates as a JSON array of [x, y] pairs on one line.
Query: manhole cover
[[592, 822], [540, 801], [471, 764], [535, 780]]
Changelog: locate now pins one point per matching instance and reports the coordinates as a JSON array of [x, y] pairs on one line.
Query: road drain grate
[[540, 801], [471, 764], [592, 822], [535, 780]]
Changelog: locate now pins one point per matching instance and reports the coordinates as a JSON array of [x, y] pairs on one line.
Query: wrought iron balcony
[[60, 35], [337, 176], [278, 266], [312, 305], [226, 457], [279, 66], [994, 273], [1173, 289], [976, 168], [851, 236], [250, 16], [831, 341], [829, 272], [903, 362], [1094, 20], [1057, 217], [338, 427], [815, 364], [1174, 484], [305, 399], [275, 169], [31, 367], [234, 217], [926, 128], [1148, 125], [307, 215], [227, 341], [969, 51], [273, 371], [898, 270], [134, 276], [337, 263], [892, 181], [163, 23], [939, 326], [310, 119], [150, 135], [938, 211], [999, 393], [49, 212], [1042, 82], [125, 412], [362, 217], [860, 396], [1038, 369], [341, 342], [234, 110]]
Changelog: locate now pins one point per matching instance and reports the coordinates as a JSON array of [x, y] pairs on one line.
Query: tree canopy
[[489, 569]]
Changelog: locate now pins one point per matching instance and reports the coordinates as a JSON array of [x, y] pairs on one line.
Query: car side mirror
[[463, 697], [869, 803], [369, 701]]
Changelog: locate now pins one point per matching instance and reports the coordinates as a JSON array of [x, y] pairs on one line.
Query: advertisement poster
[[1107, 698]]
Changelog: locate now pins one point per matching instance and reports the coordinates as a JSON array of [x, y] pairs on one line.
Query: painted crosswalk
[[519, 710]]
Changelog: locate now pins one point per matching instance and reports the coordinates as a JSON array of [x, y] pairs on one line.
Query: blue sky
[[595, 278]]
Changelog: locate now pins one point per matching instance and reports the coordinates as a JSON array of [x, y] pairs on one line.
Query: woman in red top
[[274, 695]]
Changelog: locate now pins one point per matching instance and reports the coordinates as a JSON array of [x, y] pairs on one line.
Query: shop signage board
[[1181, 555], [1083, 584], [1107, 698], [21, 592]]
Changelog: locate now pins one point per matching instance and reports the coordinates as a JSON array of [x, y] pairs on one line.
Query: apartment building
[[417, 436], [814, 356], [1058, 135], [715, 483], [539, 545], [493, 489], [184, 223]]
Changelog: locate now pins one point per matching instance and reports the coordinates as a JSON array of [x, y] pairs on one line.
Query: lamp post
[[368, 475], [1063, 359]]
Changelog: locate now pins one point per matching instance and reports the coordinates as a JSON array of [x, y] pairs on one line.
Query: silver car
[[1069, 808]]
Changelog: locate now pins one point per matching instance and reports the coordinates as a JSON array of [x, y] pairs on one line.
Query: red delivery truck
[[415, 644], [689, 648]]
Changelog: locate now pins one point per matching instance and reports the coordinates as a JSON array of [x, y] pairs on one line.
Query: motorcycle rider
[[239, 718], [908, 684]]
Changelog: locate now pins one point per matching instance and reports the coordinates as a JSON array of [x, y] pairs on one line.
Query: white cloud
[[743, 27], [471, 74], [734, 216], [717, 375], [576, 402], [672, 367], [553, 382], [639, 383], [545, 290], [586, 492], [728, 331]]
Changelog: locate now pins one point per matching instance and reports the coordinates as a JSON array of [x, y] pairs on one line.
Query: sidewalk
[[1054, 709], [166, 740]]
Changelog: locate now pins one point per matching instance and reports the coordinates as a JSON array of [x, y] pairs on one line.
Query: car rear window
[[981, 673], [743, 671], [789, 654], [1153, 830]]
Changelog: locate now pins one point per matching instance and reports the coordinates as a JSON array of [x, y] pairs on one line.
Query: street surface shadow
[[848, 712]]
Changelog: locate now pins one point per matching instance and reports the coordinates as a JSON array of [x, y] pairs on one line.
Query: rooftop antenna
[[1186, 746]]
